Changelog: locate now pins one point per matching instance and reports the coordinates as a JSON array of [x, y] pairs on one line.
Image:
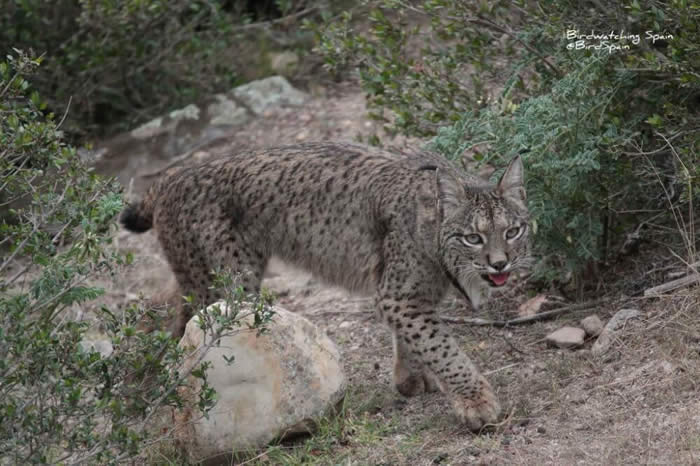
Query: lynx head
[[483, 235]]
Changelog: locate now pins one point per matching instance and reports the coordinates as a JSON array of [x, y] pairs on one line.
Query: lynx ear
[[511, 183]]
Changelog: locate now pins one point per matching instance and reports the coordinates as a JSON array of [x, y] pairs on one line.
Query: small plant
[[61, 400]]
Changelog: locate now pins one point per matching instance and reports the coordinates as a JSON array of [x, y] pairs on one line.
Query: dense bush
[[117, 63], [62, 401], [609, 134]]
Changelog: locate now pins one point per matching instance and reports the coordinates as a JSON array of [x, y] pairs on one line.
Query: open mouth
[[496, 279]]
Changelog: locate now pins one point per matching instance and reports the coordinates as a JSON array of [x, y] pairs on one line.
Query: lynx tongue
[[498, 278]]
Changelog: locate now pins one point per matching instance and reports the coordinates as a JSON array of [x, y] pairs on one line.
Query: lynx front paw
[[478, 411]]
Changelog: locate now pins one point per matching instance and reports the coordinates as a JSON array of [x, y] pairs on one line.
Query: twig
[[9, 83], [523, 320], [673, 285], [65, 114], [504, 30], [693, 267], [323, 312], [501, 368], [254, 458], [283, 19]]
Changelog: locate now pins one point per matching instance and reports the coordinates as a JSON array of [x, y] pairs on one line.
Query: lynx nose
[[499, 265]]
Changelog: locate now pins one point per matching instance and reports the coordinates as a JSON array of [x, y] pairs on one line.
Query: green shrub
[[609, 136], [120, 61], [115, 64], [61, 401]]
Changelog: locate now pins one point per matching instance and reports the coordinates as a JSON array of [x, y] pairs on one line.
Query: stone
[[592, 325], [278, 383], [149, 129], [225, 111], [607, 335], [283, 62], [566, 337], [274, 91], [166, 124]]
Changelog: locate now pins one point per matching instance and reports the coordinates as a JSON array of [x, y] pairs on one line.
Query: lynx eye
[[512, 232], [472, 239]]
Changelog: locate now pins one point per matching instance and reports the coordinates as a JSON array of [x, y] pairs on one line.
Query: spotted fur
[[403, 227]]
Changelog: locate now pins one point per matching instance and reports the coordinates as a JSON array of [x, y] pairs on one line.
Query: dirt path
[[637, 405]]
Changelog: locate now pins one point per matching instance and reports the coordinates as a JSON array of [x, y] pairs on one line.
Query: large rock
[[269, 92], [278, 383]]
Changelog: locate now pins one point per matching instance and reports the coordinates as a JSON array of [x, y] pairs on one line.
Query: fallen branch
[[523, 320], [673, 285]]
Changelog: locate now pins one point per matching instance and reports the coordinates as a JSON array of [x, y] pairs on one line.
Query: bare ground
[[639, 404]]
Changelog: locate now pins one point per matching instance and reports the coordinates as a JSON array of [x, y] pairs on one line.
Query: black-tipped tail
[[136, 219]]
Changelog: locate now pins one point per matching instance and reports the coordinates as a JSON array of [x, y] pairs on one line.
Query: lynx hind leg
[[410, 376], [234, 255], [193, 259], [190, 266]]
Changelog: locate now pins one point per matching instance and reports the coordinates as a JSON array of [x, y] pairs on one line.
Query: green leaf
[[655, 120]]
